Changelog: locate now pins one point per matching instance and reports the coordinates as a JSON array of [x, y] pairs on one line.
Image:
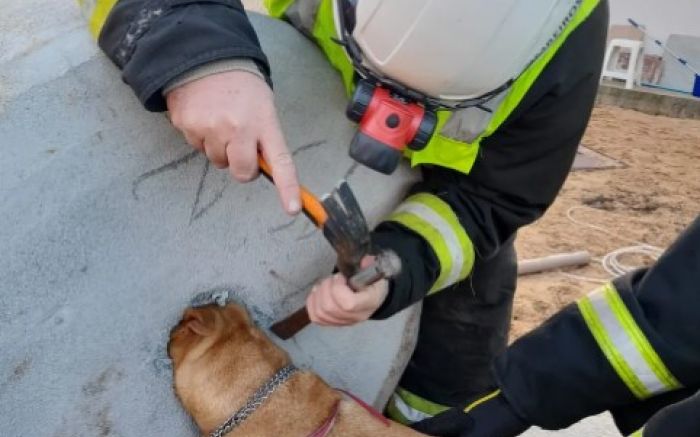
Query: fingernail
[[294, 206]]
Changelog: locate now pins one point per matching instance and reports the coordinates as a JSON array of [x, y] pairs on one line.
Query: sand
[[650, 200]]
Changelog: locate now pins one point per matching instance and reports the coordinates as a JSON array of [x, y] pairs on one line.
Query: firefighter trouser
[[462, 329]]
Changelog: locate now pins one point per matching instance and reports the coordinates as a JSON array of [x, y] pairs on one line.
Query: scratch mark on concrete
[[282, 227], [21, 369], [100, 384], [172, 165], [19, 372], [307, 235], [103, 423], [197, 212], [281, 278], [308, 146], [200, 188]]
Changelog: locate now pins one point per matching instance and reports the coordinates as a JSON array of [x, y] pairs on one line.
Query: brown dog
[[220, 359]]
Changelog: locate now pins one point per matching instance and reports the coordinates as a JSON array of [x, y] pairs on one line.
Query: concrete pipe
[[551, 262], [111, 225]]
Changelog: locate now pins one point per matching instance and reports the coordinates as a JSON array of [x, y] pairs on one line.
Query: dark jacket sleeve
[[558, 374], [154, 41], [520, 168]]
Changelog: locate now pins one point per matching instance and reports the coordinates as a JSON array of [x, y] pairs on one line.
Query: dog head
[[203, 328], [217, 356]]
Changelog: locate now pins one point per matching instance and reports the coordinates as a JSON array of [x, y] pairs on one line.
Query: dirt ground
[[651, 200]]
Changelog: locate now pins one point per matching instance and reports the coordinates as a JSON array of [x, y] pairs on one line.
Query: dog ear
[[200, 321], [237, 315], [198, 328]]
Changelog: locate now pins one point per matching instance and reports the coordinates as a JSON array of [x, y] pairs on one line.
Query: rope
[[611, 262], [664, 47]]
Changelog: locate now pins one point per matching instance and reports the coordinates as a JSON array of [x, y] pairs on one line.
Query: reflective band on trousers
[[407, 408], [408, 415], [433, 219], [624, 344]]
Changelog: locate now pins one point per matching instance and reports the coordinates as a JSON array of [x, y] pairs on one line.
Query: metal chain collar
[[256, 400]]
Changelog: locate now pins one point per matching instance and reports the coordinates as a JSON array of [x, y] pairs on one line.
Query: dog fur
[[220, 358]]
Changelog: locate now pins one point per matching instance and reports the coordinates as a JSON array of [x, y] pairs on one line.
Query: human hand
[[333, 303], [230, 116]]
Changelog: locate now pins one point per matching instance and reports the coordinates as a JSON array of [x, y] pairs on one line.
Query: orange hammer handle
[[311, 206]]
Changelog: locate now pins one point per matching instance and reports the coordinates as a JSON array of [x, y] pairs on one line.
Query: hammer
[[340, 217]]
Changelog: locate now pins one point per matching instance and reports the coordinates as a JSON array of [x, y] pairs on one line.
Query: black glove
[[486, 416]]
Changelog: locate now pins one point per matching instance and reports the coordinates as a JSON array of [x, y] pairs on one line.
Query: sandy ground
[[650, 200]]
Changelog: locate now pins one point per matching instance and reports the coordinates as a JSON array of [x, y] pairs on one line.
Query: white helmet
[[455, 50]]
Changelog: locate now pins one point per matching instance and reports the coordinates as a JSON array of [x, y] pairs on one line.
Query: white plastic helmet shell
[[456, 49]]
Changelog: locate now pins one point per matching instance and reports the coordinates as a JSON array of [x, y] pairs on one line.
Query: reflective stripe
[[276, 8], [480, 401], [324, 31], [433, 219], [392, 412], [96, 11], [433, 237], [640, 341], [406, 407], [638, 433], [624, 344], [408, 415], [450, 265]]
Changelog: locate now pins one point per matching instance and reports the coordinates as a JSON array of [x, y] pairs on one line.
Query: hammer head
[[346, 228]]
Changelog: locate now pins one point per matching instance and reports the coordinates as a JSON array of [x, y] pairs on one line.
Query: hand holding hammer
[[340, 218]]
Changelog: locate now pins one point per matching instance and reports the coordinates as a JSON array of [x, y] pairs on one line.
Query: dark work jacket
[[557, 374]]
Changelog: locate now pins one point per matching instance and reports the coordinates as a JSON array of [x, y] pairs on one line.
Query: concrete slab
[[587, 159], [651, 101], [110, 225]]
